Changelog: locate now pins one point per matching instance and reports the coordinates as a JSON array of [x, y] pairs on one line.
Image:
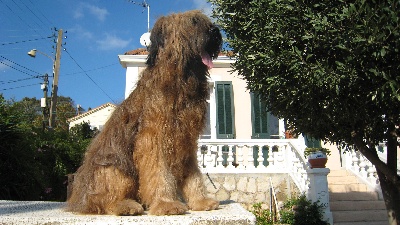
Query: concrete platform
[[52, 213]]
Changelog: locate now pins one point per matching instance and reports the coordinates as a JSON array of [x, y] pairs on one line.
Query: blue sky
[[97, 32]]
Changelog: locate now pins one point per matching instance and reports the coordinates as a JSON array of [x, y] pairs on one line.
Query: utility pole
[[56, 70], [43, 103]]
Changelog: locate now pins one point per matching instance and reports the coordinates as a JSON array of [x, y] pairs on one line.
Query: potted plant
[[317, 156]]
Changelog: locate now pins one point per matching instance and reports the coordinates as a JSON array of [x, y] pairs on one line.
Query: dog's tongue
[[205, 57]]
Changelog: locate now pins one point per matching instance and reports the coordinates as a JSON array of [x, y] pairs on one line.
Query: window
[[264, 124], [225, 109]]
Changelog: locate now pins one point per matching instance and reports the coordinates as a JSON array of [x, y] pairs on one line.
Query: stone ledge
[[49, 213]]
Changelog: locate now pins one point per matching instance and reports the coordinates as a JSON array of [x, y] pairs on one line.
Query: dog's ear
[[157, 41]]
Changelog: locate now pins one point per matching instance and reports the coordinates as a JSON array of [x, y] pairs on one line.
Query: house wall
[[248, 189], [96, 119], [242, 103]]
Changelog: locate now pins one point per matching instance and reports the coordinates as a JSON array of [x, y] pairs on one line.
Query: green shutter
[[259, 117], [225, 115]]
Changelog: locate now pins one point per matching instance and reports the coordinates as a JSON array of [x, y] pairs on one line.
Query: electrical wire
[[23, 79], [18, 42], [32, 13], [16, 14], [17, 69], [2, 62], [6, 89], [38, 10], [89, 76], [69, 74]]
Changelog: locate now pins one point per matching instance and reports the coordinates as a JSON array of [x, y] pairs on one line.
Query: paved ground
[[49, 213]]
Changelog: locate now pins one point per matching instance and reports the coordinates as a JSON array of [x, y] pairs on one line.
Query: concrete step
[[338, 173], [359, 216], [46, 213], [353, 196], [362, 223], [343, 180], [347, 188], [357, 205]]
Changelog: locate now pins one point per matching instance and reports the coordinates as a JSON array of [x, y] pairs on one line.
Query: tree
[[331, 68], [34, 162]]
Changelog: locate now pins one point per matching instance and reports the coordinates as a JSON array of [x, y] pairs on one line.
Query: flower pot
[[317, 160]]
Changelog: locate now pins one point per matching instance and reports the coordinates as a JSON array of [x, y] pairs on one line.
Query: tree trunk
[[391, 195], [391, 191], [387, 173]]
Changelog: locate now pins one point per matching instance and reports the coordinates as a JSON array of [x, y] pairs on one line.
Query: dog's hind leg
[[114, 192]]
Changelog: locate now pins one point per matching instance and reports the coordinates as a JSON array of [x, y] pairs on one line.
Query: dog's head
[[184, 39]]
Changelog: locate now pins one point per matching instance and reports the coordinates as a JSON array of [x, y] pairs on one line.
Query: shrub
[[301, 211], [263, 216]]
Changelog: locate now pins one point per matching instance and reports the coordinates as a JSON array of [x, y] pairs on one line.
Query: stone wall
[[248, 189]]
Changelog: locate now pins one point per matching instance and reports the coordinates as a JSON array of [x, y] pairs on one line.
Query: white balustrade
[[254, 156], [361, 167], [266, 156]]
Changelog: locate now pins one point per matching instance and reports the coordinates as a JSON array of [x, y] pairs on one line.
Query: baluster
[[371, 173], [260, 158], [200, 156], [362, 165], [250, 159], [270, 157], [209, 158], [230, 157], [296, 162], [220, 158], [239, 156], [354, 159], [281, 150]]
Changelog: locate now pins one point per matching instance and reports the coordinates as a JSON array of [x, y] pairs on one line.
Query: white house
[[233, 112], [243, 139], [96, 117]]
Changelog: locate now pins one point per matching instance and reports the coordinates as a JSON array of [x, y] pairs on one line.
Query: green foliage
[[328, 67], [309, 151], [301, 211], [263, 216], [34, 163]]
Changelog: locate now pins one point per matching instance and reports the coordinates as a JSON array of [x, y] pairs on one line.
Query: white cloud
[[111, 41], [99, 13], [81, 32], [204, 6]]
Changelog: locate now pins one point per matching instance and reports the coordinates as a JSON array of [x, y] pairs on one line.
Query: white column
[[132, 76], [319, 190]]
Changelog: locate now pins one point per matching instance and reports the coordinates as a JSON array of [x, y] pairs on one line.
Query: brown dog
[[146, 153]]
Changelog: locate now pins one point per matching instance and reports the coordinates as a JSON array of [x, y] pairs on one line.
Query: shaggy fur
[[145, 157]]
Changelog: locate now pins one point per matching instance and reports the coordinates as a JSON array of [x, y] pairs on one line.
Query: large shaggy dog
[[145, 157]]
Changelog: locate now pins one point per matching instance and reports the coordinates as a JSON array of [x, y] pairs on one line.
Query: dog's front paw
[[126, 207], [168, 208], [204, 204]]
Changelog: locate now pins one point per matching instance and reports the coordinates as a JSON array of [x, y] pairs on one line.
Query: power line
[[18, 42], [2, 62], [6, 89], [42, 14], [16, 14], [89, 77], [16, 69], [69, 74], [33, 13], [18, 80]]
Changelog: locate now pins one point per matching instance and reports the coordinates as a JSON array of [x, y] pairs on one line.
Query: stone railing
[[274, 156], [361, 167]]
